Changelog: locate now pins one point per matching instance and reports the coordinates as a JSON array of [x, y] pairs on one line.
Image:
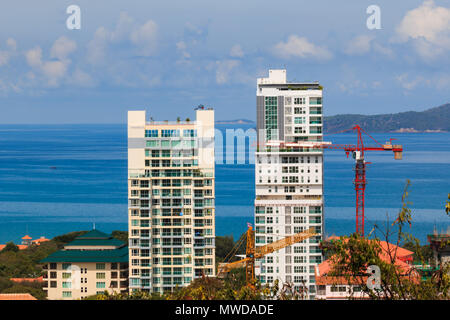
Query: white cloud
[[123, 28], [428, 27], [81, 79], [96, 48], [224, 69], [145, 38], [359, 45], [54, 70], [34, 57], [300, 47], [363, 44], [440, 81], [62, 47], [12, 44], [5, 55], [182, 47], [236, 51]]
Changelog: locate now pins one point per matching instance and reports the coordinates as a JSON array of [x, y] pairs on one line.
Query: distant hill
[[237, 121], [432, 120]]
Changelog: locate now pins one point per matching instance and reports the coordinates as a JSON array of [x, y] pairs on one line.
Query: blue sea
[[60, 178]]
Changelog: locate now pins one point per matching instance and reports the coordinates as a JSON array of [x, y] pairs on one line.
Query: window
[[66, 266], [299, 120], [67, 294], [271, 117], [100, 285], [151, 133], [152, 143], [100, 275], [299, 100], [299, 110], [315, 100], [189, 133], [170, 133], [67, 285], [100, 266]]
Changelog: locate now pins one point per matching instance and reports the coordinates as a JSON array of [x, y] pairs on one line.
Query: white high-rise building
[[170, 201], [289, 178]]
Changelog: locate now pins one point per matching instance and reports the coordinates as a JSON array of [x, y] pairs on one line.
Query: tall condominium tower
[[171, 201], [289, 178]]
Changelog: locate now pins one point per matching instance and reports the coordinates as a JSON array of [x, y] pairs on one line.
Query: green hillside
[[434, 119]]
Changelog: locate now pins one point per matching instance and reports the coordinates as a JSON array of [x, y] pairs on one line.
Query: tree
[[10, 246], [350, 257], [38, 293], [224, 244], [120, 235], [447, 205]]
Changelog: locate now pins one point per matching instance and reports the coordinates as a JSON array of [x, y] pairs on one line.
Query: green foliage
[[447, 205], [423, 254], [10, 246], [224, 244], [215, 289], [432, 119], [25, 264], [68, 237], [120, 235], [138, 295], [36, 292], [350, 257]]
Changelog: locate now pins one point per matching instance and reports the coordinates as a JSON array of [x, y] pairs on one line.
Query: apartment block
[[91, 264], [288, 178], [171, 201]]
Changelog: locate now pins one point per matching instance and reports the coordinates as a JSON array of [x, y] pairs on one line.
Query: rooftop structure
[[92, 263]]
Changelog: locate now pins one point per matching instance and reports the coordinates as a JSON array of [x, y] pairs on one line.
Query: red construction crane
[[360, 167], [357, 151]]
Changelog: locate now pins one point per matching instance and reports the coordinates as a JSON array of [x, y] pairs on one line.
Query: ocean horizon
[[60, 178]]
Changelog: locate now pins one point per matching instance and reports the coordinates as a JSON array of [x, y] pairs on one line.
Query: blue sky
[[169, 56]]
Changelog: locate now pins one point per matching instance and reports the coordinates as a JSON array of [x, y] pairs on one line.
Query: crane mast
[[358, 153]]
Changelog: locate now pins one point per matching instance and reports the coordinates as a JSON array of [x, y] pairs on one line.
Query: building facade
[[440, 244], [91, 264], [288, 178], [171, 201]]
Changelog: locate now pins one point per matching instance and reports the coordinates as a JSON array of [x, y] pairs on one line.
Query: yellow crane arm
[[282, 243], [226, 267]]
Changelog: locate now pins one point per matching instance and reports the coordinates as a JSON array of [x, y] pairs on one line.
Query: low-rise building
[[91, 264], [16, 296], [330, 286], [440, 244], [26, 242]]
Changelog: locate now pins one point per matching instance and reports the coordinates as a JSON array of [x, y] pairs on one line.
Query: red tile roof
[[38, 279], [20, 246], [16, 296], [26, 237], [402, 257]]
